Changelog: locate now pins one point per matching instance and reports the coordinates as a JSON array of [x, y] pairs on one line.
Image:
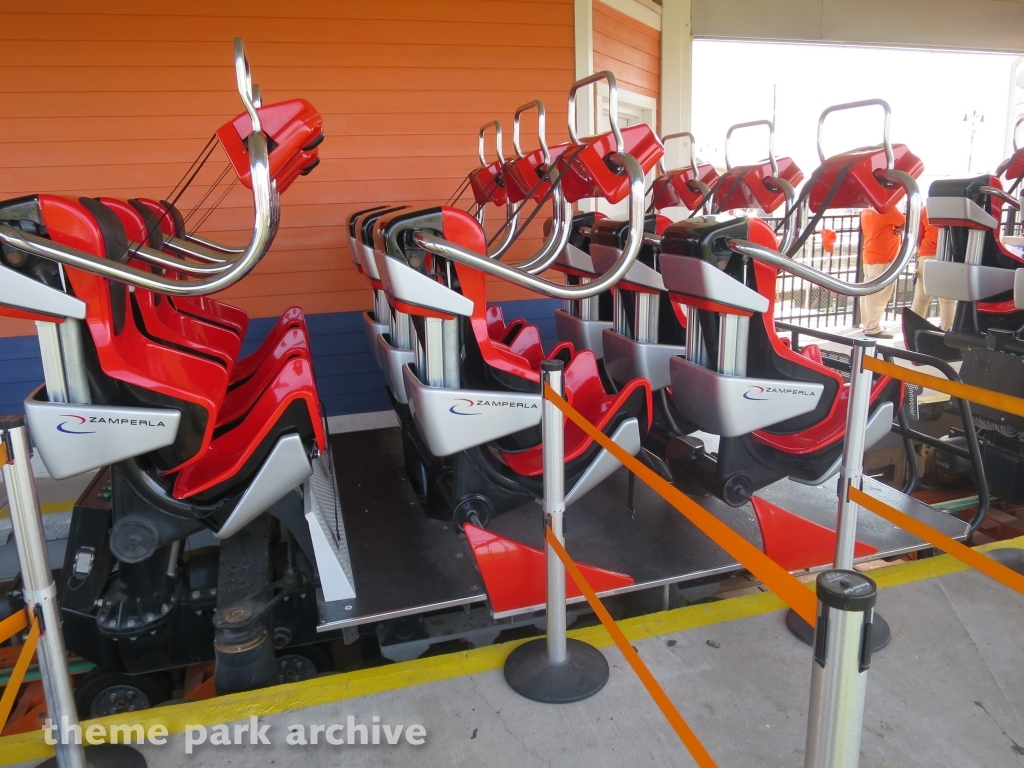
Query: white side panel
[[639, 274], [695, 277], [959, 209], [626, 359], [731, 406], [334, 582], [75, 438], [573, 257], [1018, 288], [22, 292], [452, 420], [374, 331], [285, 469], [628, 437], [355, 246], [584, 334], [965, 282], [391, 362], [404, 283], [369, 261]]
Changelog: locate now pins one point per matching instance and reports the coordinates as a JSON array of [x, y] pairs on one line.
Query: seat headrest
[[859, 185]]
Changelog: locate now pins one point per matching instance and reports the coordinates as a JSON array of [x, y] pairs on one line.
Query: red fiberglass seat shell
[[860, 186], [586, 172], [584, 388], [295, 130], [204, 456], [746, 186], [798, 366], [673, 189]]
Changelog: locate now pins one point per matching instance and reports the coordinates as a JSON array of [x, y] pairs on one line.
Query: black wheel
[[102, 693], [304, 662]]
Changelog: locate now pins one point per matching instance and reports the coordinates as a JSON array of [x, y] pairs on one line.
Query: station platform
[[948, 690]]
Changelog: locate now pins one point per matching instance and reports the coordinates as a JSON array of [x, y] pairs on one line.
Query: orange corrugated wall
[[629, 48], [116, 97]]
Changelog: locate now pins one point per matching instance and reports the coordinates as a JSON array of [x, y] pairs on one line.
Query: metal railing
[[804, 303]]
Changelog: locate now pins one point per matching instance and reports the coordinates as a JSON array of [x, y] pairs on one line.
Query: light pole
[[974, 118]]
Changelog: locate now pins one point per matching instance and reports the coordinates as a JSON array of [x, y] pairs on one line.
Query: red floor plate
[[796, 543], [516, 575]]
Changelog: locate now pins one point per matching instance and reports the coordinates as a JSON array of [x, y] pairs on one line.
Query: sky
[[929, 93]]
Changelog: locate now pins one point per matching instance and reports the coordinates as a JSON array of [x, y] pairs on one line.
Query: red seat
[[861, 187], [207, 452], [295, 129], [523, 175], [745, 186], [585, 172], [672, 189]]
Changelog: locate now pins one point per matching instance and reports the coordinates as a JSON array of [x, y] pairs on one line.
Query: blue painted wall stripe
[[347, 376]]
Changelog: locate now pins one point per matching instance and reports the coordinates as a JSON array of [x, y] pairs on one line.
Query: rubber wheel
[[102, 693], [304, 662]]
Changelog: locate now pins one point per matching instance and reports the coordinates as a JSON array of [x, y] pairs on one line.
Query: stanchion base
[[880, 633], [1010, 557], [529, 673], [106, 756]]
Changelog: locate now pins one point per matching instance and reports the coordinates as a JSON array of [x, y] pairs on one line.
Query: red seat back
[[861, 187], [745, 186], [295, 128], [585, 170], [672, 189]]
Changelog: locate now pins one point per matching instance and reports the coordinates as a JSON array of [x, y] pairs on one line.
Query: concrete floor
[[948, 691]]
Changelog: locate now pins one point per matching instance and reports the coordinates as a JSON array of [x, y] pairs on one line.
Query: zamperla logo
[[754, 392], [464, 404], [77, 426]]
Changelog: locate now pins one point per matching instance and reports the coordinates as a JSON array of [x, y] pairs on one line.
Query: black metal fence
[[802, 303]]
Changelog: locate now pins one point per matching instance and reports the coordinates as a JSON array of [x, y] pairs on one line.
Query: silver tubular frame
[[220, 273], [1007, 198], [908, 249], [266, 203], [886, 144], [613, 106], [693, 154], [541, 120], [497, 142], [771, 142], [442, 247], [853, 451], [212, 246], [243, 78], [186, 247]]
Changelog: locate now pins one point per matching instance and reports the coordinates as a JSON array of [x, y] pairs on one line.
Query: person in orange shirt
[[880, 242], [927, 244]]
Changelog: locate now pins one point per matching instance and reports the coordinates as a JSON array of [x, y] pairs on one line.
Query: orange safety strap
[[20, 667], [775, 577], [997, 400], [12, 625], [686, 735], [973, 558]]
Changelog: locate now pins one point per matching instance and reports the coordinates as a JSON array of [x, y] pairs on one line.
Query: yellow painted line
[[365, 682], [52, 508]]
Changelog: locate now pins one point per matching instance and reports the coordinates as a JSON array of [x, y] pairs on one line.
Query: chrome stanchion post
[[40, 595], [555, 670], [850, 472], [842, 655], [853, 451], [553, 436]]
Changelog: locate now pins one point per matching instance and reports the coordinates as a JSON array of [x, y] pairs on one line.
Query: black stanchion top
[[11, 421], [548, 366], [846, 590]]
